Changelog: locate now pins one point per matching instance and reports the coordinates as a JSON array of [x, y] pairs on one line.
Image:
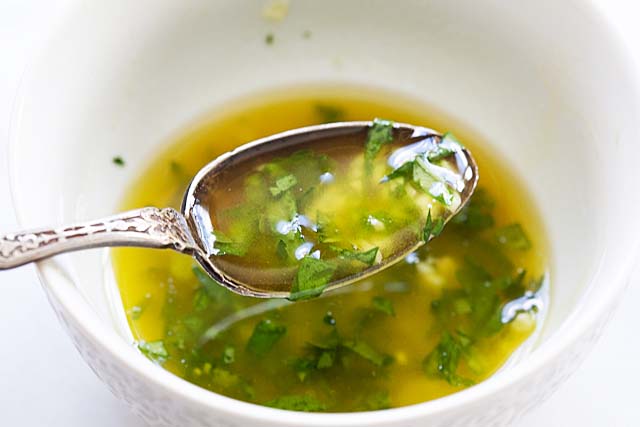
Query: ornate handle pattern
[[147, 227]]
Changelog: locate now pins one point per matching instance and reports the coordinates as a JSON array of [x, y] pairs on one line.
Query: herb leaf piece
[[265, 334], [380, 133], [298, 402], [366, 351], [383, 305], [443, 361], [283, 184], [329, 113], [118, 161], [432, 228], [154, 350], [311, 279], [513, 237], [367, 257]]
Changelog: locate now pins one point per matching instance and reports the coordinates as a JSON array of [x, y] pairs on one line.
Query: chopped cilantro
[[297, 402], [228, 355], [432, 228], [375, 401], [367, 257], [330, 113], [403, 171], [265, 335], [380, 133], [513, 236], [439, 153], [366, 351], [281, 250], [477, 214], [303, 367], [225, 246], [443, 361], [312, 277], [118, 161], [283, 184], [269, 38], [154, 350], [384, 305], [325, 360], [445, 148]]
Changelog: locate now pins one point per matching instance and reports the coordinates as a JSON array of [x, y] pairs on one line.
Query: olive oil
[[425, 328]]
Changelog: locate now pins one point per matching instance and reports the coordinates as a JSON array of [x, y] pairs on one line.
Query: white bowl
[[546, 82]]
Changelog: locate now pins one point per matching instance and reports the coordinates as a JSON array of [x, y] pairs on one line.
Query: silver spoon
[[190, 232]]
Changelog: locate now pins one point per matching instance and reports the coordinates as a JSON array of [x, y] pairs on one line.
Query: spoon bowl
[[411, 140]]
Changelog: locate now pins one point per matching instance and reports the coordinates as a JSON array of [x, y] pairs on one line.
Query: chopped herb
[[380, 133], [269, 38], [375, 401], [296, 402], [118, 161], [306, 34], [265, 335], [477, 214], [439, 153], [281, 250], [226, 247], [445, 148], [384, 305], [312, 277], [365, 350], [283, 184], [304, 367], [212, 288], [513, 236], [325, 360], [432, 228], [330, 113], [367, 257], [443, 361], [154, 350], [228, 355], [403, 171]]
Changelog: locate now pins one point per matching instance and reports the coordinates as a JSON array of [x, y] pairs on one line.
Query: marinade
[[446, 317]]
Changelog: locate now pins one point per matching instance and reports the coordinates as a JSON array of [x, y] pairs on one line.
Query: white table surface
[[44, 382]]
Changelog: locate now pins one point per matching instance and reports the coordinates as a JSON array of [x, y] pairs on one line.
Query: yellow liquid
[[158, 287]]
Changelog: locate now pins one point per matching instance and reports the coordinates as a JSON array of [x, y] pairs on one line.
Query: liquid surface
[[447, 317], [307, 210]]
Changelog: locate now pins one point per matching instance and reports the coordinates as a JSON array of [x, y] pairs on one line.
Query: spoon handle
[[146, 227]]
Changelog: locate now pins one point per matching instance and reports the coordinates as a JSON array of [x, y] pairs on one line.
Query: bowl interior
[[550, 91]]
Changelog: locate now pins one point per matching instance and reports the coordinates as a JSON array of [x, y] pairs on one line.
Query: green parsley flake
[[269, 39], [295, 402], [283, 184], [118, 161], [330, 113], [443, 361], [380, 133], [367, 257], [513, 236], [363, 349], [154, 350], [432, 228], [265, 335], [312, 277], [383, 305]]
